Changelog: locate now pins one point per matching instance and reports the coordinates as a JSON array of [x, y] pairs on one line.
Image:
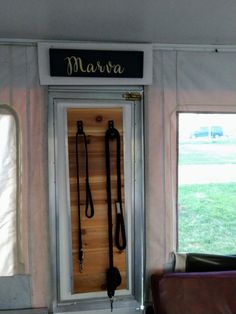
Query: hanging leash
[[89, 201], [113, 273]]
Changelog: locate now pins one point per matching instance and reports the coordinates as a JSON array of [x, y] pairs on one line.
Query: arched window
[[9, 192]]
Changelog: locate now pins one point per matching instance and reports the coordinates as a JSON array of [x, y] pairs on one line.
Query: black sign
[[96, 63]]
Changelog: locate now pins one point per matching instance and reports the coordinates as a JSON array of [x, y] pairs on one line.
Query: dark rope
[[89, 200], [113, 274]]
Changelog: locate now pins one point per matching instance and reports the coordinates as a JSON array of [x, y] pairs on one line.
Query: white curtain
[[183, 80], [8, 194], [28, 243], [206, 78]]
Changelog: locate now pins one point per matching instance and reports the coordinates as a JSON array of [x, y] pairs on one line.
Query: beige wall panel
[[5, 75], [39, 241], [19, 88]]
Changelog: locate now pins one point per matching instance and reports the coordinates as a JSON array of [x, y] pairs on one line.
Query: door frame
[[134, 299]]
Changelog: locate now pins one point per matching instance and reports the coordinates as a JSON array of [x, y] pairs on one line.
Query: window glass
[[8, 192], [206, 193]]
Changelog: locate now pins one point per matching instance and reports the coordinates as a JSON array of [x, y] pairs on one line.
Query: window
[[206, 192], [9, 193]]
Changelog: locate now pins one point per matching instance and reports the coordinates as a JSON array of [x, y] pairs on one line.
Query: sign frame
[[47, 79]]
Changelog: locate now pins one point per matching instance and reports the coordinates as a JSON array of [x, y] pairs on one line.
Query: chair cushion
[[194, 293]]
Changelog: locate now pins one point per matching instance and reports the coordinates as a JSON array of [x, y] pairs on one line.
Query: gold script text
[[76, 64]]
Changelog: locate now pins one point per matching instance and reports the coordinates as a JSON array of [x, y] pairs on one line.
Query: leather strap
[[113, 274], [89, 200], [120, 237]]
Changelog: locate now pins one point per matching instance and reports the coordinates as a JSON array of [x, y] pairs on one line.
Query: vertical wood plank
[[94, 230]]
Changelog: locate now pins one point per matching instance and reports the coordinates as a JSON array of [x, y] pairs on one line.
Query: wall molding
[[156, 46], [26, 311]]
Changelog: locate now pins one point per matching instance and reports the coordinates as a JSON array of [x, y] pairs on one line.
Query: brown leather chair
[[194, 293]]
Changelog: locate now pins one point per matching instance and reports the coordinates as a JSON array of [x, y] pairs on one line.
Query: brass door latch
[[132, 96]]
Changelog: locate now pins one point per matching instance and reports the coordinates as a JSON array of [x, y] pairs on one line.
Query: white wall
[[182, 79]]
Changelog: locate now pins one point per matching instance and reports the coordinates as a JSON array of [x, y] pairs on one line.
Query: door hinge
[[132, 96]]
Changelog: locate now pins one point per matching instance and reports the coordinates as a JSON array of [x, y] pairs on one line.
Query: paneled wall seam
[[164, 142], [10, 75], [176, 78], [29, 209]]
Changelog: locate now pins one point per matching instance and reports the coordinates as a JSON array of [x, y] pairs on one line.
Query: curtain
[[183, 80], [20, 91], [8, 194]]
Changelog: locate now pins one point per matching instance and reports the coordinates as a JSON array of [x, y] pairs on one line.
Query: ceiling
[[153, 21]]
